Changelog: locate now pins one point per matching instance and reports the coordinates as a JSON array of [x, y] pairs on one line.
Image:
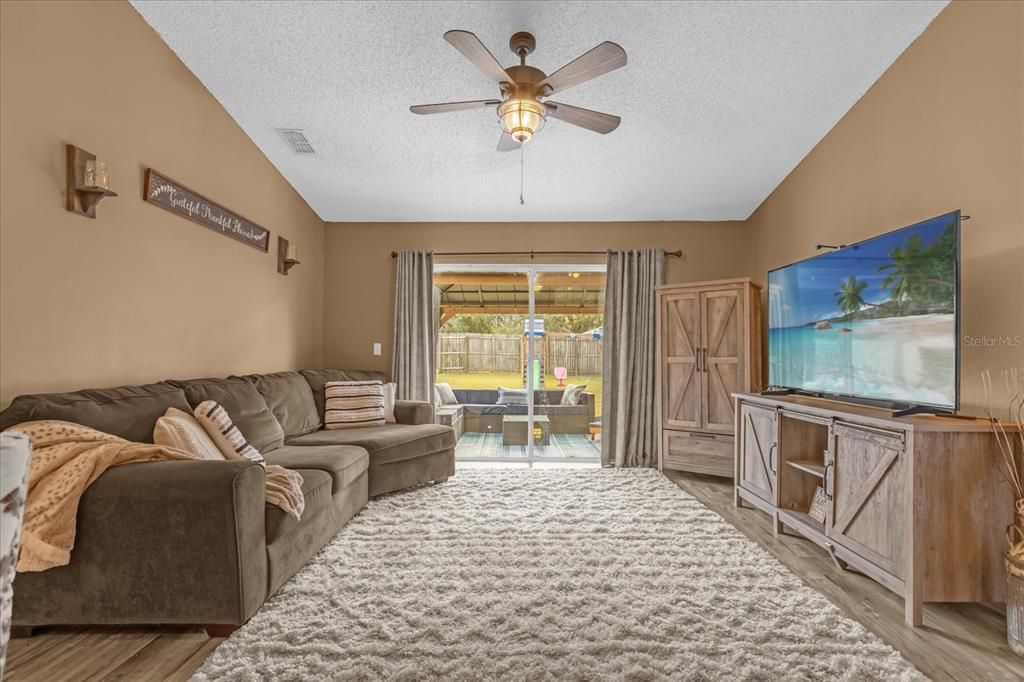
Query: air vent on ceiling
[[297, 140]]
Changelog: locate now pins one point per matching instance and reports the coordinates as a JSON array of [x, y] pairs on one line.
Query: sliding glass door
[[519, 347]]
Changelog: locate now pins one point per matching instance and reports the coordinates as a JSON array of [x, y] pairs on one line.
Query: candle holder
[[85, 189], [287, 256]]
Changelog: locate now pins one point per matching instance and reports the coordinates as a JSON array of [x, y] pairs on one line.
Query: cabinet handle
[[696, 357], [828, 479], [771, 458], [707, 436]]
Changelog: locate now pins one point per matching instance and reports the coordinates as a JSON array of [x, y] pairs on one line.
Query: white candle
[[293, 252]]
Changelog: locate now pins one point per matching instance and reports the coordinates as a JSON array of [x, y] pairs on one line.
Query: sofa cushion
[[318, 378], [289, 397], [244, 404], [344, 463], [476, 396], [129, 411], [511, 396], [562, 409], [388, 443], [485, 409], [316, 491]]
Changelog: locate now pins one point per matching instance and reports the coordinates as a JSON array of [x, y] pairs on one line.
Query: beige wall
[[359, 279], [942, 129], [138, 294]]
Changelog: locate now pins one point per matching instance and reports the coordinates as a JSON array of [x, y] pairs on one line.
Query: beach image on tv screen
[[876, 319]]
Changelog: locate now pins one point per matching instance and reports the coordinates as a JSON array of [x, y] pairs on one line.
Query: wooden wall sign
[[176, 198]]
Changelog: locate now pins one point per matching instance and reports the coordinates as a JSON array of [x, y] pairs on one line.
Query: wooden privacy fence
[[581, 357], [505, 353]]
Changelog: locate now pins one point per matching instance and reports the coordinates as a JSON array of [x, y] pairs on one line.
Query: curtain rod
[[531, 254]]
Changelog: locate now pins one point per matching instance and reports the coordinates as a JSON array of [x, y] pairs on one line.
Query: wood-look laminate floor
[[957, 642]]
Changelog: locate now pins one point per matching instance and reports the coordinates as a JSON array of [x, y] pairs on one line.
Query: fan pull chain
[[522, 174]]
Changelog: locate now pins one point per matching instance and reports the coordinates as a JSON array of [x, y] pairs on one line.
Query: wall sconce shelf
[[79, 197], [286, 256]]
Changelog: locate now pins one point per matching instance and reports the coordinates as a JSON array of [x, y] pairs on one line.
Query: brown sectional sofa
[[195, 542]]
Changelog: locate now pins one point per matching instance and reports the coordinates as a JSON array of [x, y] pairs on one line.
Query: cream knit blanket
[[67, 458]]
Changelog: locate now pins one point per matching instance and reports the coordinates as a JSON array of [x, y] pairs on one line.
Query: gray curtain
[[629, 427], [412, 351]]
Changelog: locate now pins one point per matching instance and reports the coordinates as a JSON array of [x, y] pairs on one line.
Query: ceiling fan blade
[[507, 143], [584, 118], [475, 51], [453, 106], [604, 58]]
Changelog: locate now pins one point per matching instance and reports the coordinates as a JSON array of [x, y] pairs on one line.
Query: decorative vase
[[1015, 590], [15, 453]]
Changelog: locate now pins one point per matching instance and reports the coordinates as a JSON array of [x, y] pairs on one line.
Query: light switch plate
[[376, 348]]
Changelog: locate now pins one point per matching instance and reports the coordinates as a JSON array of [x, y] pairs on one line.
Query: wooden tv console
[[916, 503]]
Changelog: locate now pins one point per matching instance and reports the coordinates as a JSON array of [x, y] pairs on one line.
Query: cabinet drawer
[[708, 453]]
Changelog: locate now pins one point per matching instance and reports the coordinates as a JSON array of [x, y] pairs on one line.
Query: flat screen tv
[[877, 321]]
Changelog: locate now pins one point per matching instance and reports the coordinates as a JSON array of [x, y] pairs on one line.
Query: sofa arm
[[159, 542], [414, 412]]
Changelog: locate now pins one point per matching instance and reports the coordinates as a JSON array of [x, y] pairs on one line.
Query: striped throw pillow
[[222, 431], [353, 404]]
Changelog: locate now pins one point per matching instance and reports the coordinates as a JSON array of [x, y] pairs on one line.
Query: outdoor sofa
[[479, 412]]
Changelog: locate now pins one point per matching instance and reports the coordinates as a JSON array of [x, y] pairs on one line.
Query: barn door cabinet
[[709, 347], [916, 503]]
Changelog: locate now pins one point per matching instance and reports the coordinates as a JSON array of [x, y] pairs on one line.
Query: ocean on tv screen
[[877, 319]]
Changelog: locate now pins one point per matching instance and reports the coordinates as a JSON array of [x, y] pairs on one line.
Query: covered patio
[[476, 360], [507, 293]]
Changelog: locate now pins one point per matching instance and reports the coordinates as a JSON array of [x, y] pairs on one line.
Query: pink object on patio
[[561, 374]]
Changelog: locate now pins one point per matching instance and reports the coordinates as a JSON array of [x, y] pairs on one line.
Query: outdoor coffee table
[[514, 429]]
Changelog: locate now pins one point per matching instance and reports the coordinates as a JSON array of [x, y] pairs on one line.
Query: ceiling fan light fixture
[[521, 117]]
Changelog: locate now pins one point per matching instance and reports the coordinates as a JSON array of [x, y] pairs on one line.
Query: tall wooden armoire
[[709, 346]]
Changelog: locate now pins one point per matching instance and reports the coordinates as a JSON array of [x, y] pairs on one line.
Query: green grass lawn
[[491, 380]]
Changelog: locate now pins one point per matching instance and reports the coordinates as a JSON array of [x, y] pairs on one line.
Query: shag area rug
[[568, 574]]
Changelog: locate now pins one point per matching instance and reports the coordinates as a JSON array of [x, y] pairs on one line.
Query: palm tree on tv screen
[[849, 297], [919, 277], [906, 267]]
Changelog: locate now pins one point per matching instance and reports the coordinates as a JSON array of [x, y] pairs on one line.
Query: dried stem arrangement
[[1009, 434]]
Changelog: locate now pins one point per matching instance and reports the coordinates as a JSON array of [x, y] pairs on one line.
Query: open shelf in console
[[809, 466], [803, 440], [801, 521]]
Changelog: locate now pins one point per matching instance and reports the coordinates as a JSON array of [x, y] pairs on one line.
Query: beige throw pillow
[[446, 394], [353, 404], [390, 391], [573, 393], [222, 431], [180, 430]]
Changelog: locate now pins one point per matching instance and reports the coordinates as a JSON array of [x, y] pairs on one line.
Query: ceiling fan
[[521, 109]]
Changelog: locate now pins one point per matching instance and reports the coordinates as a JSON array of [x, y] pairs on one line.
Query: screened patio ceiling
[[500, 293]]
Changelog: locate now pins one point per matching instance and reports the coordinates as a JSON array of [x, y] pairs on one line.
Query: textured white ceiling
[[719, 100]]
